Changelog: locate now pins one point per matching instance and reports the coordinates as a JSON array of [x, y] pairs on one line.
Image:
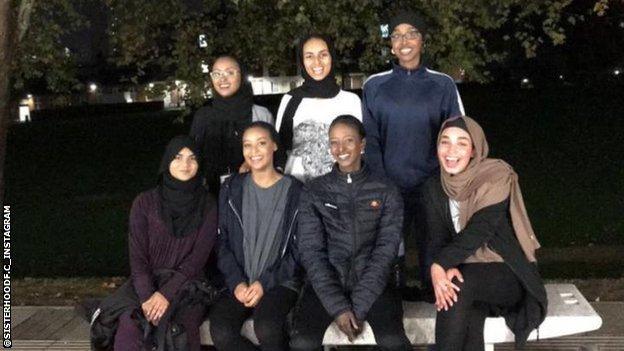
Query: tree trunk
[[7, 21]]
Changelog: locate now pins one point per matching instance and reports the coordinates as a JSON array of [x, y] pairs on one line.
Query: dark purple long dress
[[152, 247]]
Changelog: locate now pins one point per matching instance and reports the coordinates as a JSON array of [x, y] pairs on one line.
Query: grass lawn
[[70, 184]]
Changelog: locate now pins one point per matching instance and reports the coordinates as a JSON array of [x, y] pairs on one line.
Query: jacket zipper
[[353, 225], [289, 232], [235, 212]]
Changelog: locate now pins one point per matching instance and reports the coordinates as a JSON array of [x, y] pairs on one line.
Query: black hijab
[[311, 88], [181, 202]]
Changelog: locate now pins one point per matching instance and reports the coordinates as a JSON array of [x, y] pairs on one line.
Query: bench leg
[[489, 347]]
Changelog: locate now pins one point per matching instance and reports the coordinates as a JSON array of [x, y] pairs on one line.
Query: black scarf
[[324, 89], [181, 202], [237, 107], [227, 118]]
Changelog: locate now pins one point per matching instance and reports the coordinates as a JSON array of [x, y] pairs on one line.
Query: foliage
[[40, 53], [264, 33], [158, 39]]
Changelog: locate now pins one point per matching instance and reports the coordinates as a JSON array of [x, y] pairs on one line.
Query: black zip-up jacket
[[491, 225], [231, 257], [349, 234]]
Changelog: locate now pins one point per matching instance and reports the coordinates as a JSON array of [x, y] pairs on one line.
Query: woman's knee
[[393, 342], [222, 332], [304, 342], [269, 331], [128, 335]]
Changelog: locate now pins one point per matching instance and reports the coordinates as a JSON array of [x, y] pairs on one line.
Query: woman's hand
[[445, 290], [254, 294], [454, 273], [349, 325], [240, 292], [155, 307]]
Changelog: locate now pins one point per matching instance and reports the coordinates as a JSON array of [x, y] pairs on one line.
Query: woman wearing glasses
[[217, 126], [305, 113]]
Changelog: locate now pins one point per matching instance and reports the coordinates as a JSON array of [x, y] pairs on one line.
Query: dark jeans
[[414, 231], [227, 316], [385, 318], [486, 286]]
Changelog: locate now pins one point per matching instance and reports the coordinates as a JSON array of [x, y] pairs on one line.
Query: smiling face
[[226, 76], [455, 150], [407, 44], [184, 165], [258, 149], [317, 59], [346, 147]]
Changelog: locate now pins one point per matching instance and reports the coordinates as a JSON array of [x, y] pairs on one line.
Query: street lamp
[[93, 87]]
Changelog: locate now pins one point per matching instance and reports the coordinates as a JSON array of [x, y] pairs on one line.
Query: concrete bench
[[568, 313]]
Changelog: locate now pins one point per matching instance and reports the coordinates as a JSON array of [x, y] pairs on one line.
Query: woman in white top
[[305, 113]]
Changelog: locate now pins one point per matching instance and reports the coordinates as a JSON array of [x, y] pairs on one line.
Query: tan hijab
[[485, 182]]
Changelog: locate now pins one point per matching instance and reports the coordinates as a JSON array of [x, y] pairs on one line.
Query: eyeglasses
[[411, 35], [216, 75]]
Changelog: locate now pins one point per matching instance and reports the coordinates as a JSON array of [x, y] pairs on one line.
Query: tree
[[31, 33], [159, 39]]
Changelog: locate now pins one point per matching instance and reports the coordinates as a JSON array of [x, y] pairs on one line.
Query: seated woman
[[481, 246], [172, 231], [349, 233], [257, 223]]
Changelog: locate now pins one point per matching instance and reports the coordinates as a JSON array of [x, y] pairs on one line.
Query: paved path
[[58, 328]]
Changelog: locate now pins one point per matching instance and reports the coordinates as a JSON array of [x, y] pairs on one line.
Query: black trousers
[[414, 232], [486, 286], [227, 316], [385, 318]]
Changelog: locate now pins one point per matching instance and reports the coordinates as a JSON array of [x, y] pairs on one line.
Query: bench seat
[[568, 313]]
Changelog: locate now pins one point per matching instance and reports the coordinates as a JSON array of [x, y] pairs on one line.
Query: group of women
[[322, 251]]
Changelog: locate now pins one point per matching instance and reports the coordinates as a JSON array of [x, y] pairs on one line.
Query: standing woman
[[172, 231], [305, 113], [257, 255], [349, 233], [218, 126], [480, 242]]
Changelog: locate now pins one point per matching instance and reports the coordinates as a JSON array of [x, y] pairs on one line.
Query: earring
[[392, 51]]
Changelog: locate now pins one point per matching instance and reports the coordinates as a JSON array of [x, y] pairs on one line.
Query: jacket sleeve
[[281, 156], [194, 263], [232, 271], [437, 233], [480, 229], [372, 126], [287, 268], [452, 104], [375, 276], [315, 259], [138, 244]]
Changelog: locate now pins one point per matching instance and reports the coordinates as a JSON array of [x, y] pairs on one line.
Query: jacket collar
[[353, 177], [402, 71], [235, 191]]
